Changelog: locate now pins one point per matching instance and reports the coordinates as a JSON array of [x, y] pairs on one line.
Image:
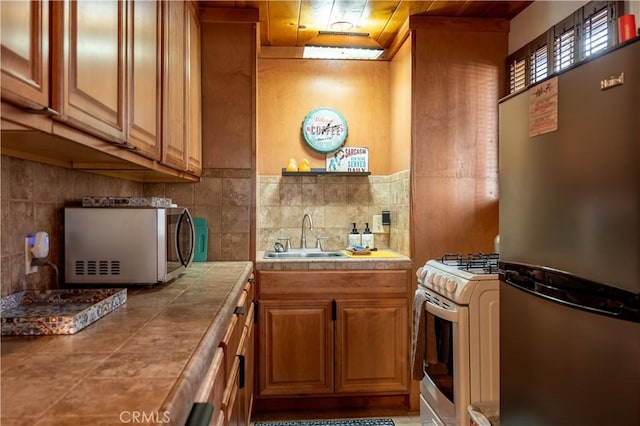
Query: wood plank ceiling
[[292, 23]]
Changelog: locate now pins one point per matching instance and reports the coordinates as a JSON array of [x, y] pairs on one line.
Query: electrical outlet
[[28, 256], [378, 228]]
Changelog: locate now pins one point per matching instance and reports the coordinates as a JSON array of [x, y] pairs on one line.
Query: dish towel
[[418, 343]]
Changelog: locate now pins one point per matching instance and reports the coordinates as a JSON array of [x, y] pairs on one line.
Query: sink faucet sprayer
[[303, 237]]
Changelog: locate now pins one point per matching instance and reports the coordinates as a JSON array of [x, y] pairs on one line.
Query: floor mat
[[344, 422]]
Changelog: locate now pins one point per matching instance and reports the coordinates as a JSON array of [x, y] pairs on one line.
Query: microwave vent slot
[[97, 267]]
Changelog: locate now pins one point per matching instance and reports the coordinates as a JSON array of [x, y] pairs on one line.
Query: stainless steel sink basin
[[303, 254]]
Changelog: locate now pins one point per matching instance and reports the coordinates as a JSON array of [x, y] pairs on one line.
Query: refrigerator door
[[561, 365], [570, 198]]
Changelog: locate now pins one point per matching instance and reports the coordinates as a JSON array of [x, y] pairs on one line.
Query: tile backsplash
[[334, 202], [33, 196], [223, 197]]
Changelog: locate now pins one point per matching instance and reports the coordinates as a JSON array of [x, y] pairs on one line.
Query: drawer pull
[[240, 310], [241, 372]]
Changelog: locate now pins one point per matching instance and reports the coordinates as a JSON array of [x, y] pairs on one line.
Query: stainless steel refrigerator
[[569, 175]]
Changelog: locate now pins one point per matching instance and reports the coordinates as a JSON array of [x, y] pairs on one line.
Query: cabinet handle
[[239, 310], [334, 310], [127, 145], [241, 372], [43, 111]]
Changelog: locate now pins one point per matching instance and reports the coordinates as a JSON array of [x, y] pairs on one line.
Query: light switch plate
[[377, 224]]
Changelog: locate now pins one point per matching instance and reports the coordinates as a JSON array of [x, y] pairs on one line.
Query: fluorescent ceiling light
[[342, 45]]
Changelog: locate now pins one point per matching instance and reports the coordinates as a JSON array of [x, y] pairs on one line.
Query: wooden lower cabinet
[[371, 345], [228, 385], [296, 347], [329, 333]]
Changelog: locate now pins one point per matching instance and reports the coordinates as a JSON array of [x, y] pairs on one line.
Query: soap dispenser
[[367, 237], [354, 236]]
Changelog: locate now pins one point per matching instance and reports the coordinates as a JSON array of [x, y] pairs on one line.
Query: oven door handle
[[441, 312]]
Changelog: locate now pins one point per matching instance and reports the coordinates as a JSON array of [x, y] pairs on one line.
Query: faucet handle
[[319, 242], [287, 246]]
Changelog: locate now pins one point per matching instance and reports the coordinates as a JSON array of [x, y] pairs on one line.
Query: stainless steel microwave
[[132, 245]]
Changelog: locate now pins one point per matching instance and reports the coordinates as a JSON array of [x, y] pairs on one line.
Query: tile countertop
[[334, 263], [143, 361]]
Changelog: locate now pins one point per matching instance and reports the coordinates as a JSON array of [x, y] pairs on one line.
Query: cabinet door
[[144, 70], [88, 73], [174, 151], [296, 347], [371, 345], [193, 115], [24, 42]]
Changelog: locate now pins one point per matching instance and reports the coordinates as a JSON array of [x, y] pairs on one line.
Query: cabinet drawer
[[229, 343], [250, 288], [243, 314], [214, 381], [248, 322], [246, 299], [231, 391], [362, 282]]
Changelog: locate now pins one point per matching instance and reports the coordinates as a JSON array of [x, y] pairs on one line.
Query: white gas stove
[[462, 336], [455, 276]]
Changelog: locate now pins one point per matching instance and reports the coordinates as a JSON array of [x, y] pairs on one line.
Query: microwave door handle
[[177, 239]]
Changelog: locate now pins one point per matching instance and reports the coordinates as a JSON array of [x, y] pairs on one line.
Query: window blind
[[564, 49], [596, 32], [589, 30], [539, 64], [518, 75]]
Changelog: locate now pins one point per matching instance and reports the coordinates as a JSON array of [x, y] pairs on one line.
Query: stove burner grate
[[486, 263]]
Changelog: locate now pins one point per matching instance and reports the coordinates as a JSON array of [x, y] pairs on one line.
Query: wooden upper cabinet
[[88, 72], [193, 91], [144, 85], [174, 147], [24, 39]]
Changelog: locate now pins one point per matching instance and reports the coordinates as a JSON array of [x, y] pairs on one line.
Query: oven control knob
[[451, 286]]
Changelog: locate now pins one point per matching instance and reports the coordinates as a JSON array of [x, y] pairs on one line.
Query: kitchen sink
[[303, 254]]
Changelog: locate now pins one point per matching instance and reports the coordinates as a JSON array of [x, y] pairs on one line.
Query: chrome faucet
[[303, 237]]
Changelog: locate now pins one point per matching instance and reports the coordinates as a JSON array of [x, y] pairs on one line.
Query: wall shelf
[[323, 172]]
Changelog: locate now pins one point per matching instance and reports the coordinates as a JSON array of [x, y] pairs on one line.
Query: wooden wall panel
[[228, 94], [289, 88], [400, 113], [458, 72]]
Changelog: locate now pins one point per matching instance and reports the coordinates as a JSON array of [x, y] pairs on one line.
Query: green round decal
[[324, 130]]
